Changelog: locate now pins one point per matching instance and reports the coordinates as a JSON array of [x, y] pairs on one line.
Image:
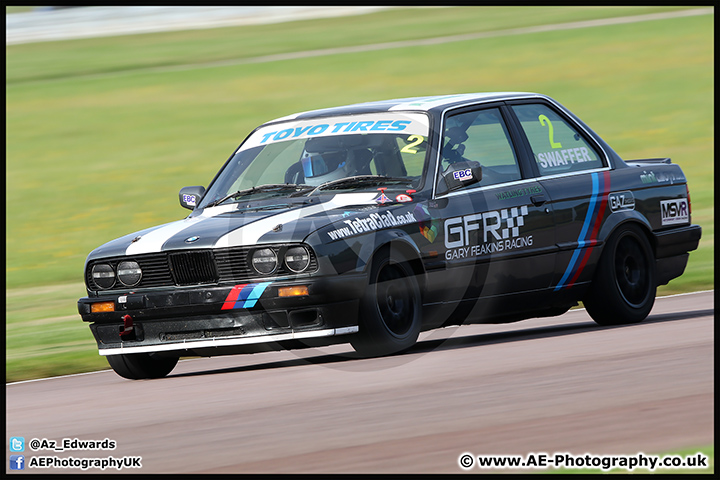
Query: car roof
[[426, 104]]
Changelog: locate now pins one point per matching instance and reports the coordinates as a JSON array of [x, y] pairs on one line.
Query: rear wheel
[[138, 366], [390, 314], [624, 287]]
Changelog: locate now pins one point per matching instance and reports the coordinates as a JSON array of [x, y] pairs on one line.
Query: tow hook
[[127, 330]]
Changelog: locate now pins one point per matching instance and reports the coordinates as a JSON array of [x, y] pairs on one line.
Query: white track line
[[90, 22]]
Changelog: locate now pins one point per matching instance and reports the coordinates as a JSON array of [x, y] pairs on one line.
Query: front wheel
[[390, 313], [624, 287], [139, 366]]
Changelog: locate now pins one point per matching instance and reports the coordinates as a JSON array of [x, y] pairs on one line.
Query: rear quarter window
[[557, 146]]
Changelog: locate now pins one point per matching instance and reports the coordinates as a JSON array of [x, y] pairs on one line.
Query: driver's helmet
[[319, 168]]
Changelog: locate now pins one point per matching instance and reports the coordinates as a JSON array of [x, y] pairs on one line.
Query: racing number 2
[[414, 140], [543, 119]]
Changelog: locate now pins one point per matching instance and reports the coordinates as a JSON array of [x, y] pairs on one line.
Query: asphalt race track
[[545, 385]]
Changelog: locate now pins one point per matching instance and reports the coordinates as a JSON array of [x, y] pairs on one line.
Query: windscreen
[[314, 152]]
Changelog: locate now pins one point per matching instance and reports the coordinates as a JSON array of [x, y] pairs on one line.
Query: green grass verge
[[17, 9], [45, 336], [92, 158]]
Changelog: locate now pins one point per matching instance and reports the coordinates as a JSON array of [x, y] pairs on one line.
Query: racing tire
[[391, 310], [140, 366], [623, 290]]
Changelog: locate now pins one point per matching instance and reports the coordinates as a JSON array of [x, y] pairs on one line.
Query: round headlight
[[129, 273], [297, 259], [264, 261], [103, 275]]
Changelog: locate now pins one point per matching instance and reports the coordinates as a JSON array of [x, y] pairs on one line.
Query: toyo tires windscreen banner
[[394, 123]]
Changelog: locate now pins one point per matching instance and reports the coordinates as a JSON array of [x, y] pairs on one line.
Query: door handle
[[538, 200]]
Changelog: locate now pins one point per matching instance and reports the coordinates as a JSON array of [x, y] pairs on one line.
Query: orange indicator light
[[296, 291], [102, 307]]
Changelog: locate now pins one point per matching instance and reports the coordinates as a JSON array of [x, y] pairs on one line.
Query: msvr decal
[[673, 212]]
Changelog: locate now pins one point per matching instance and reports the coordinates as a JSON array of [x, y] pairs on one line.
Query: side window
[[557, 146], [479, 138]]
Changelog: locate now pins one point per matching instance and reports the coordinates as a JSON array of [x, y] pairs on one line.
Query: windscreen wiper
[[360, 180], [262, 188]]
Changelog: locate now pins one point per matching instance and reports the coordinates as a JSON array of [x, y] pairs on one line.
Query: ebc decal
[[463, 175], [189, 199], [244, 296], [589, 231]]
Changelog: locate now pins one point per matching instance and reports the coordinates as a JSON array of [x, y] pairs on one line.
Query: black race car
[[370, 223]]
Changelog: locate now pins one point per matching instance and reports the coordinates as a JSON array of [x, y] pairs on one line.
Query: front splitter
[[226, 341]]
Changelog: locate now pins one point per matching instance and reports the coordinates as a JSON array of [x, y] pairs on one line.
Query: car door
[[573, 170], [495, 234]]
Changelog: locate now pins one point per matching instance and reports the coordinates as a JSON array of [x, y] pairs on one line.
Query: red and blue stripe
[[587, 239], [244, 296]]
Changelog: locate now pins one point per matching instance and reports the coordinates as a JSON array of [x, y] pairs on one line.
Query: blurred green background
[[102, 133]]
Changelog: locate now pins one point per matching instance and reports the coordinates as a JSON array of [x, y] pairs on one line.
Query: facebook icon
[[17, 462]]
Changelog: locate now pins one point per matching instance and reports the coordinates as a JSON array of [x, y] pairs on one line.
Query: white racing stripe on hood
[[152, 242], [251, 233]]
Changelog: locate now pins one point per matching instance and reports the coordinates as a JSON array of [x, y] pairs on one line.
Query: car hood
[[236, 225]]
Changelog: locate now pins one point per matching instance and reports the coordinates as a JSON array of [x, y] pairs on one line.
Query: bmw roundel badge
[[191, 239]]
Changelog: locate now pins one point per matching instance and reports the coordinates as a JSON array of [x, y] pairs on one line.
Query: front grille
[[232, 263], [193, 268], [155, 270]]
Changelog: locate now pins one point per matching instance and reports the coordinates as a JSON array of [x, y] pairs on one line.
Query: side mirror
[[462, 174], [190, 196]]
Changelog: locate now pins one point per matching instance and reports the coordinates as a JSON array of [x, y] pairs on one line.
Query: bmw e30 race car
[[370, 223]]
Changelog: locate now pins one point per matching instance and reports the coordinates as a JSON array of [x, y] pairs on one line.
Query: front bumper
[[217, 320]]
